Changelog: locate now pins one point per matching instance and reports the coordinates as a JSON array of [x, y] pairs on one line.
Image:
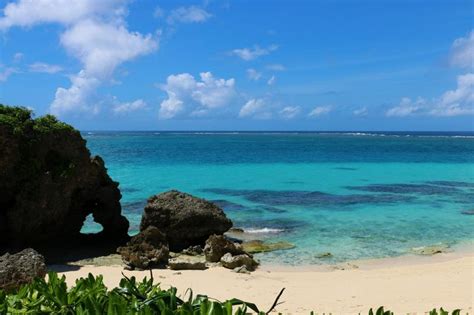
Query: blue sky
[[241, 65]]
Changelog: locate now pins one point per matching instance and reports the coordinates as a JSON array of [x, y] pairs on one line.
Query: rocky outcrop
[[431, 249], [49, 183], [147, 249], [218, 245], [20, 268], [185, 219], [232, 262], [257, 246], [195, 250], [187, 262]]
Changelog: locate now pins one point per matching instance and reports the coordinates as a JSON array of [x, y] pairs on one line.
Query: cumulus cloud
[[363, 111], [45, 68], [253, 74], [407, 107], [191, 14], [101, 47], [462, 52], [123, 108], [255, 108], [456, 102], [459, 101], [290, 112], [31, 12], [96, 34], [272, 80], [77, 97], [200, 96], [248, 54], [319, 111]]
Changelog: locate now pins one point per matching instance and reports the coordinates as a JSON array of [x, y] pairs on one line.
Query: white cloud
[[96, 34], [272, 80], [276, 67], [191, 14], [248, 54], [459, 101], [319, 111], [462, 52], [31, 12], [290, 112], [255, 108], [18, 57], [6, 73], [101, 47], [363, 111], [45, 68], [253, 74], [77, 97], [200, 97], [123, 108], [407, 107]]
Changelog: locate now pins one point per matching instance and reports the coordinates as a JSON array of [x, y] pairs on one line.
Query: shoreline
[[406, 284]]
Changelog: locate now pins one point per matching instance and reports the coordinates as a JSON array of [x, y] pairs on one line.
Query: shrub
[[90, 296]]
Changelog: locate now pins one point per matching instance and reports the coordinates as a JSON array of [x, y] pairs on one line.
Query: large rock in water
[[185, 219], [49, 183], [20, 268]]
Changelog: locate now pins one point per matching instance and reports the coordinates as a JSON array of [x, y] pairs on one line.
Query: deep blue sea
[[356, 195]]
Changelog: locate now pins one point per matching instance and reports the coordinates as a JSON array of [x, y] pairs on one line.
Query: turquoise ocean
[[355, 195]]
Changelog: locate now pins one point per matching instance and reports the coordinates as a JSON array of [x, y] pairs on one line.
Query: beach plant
[[90, 296]]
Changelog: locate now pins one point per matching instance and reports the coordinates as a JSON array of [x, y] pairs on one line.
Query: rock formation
[[218, 245], [258, 246], [186, 220], [147, 249], [232, 262], [20, 268], [49, 184], [187, 262]]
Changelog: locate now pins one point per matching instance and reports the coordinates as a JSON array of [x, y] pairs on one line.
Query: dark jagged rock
[[49, 184], [218, 245], [185, 219], [147, 249], [231, 262], [195, 250], [20, 268]]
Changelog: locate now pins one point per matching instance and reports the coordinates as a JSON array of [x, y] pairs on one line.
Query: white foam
[[263, 231]]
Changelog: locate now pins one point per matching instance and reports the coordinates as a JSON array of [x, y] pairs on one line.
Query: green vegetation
[[90, 296], [21, 121]]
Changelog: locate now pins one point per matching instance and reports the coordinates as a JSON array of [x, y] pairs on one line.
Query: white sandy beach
[[406, 284]]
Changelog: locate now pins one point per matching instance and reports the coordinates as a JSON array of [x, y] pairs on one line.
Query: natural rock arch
[[49, 184]]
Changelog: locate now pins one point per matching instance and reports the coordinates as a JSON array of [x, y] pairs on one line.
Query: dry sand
[[404, 285]]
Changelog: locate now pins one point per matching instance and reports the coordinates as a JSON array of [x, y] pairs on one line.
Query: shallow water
[[355, 195]]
